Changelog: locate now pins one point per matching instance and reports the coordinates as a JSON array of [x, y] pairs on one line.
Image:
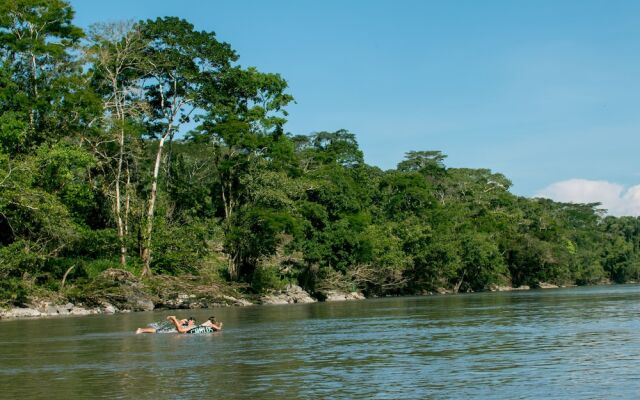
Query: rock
[[131, 300], [48, 308], [274, 299], [108, 308], [143, 305], [291, 294], [335, 295], [497, 288], [298, 295], [545, 285], [65, 309], [20, 312], [81, 311], [202, 300], [183, 301], [237, 302], [123, 291], [62, 311]]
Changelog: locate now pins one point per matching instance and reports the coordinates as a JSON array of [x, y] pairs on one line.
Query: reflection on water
[[570, 343]]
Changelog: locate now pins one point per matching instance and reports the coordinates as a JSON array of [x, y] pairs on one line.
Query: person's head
[[213, 320]]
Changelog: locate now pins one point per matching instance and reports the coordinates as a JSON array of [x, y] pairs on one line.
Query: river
[[578, 343]]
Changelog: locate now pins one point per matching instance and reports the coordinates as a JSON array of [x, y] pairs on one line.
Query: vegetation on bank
[[147, 147]]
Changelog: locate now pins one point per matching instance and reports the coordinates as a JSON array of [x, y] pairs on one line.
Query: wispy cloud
[[617, 199]]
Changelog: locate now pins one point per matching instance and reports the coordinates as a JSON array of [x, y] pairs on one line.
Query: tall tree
[[36, 38], [244, 115], [183, 64], [116, 53]]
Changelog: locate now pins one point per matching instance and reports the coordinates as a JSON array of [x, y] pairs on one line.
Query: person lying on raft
[[209, 326], [187, 323]]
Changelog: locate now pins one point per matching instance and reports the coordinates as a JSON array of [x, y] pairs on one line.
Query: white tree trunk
[[146, 249]]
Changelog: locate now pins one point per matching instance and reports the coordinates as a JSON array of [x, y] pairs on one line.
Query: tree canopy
[[148, 146]]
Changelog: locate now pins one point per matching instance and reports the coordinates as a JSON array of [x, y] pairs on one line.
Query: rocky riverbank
[[118, 291], [292, 294]]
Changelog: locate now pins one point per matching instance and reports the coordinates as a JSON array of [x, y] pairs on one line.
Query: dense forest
[[147, 147]]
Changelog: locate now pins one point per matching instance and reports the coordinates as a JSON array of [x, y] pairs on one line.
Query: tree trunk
[[233, 267], [457, 287], [227, 200], [120, 117], [127, 202], [119, 220], [146, 249], [34, 77]]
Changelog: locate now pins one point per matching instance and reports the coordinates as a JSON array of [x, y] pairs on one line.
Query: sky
[[545, 92]]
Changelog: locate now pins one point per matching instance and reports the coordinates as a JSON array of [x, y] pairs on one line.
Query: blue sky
[[544, 92]]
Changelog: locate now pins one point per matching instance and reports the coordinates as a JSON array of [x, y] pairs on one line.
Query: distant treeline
[[97, 170]]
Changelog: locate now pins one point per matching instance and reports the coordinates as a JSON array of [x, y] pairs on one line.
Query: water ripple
[[578, 343]]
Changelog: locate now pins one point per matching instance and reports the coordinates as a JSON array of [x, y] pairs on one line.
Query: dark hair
[[191, 319], [213, 319]]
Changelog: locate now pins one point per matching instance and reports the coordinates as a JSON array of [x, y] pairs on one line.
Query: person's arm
[[179, 326], [217, 327]]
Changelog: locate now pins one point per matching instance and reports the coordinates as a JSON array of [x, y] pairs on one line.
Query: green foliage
[[338, 147], [63, 170], [482, 263], [256, 233], [436, 259], [425, 162], [37, 40], [13, 132], [94, 243], [238, 198], [181, 248], [20, 258], [403, 194], [93, 268], [190, 184], [267, 278], [34, 222], [13, 291]]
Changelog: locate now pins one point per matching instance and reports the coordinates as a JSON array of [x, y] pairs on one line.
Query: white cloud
[[615, 198]]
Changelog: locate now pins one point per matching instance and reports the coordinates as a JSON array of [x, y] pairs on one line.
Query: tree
[[402, 194], [243, 123], [36, 38], [427, 162], [45, 192], [116, 53], [325, 148], [183, 64]]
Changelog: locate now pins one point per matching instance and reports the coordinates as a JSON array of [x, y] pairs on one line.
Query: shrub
[[266, 278], [13, 291]]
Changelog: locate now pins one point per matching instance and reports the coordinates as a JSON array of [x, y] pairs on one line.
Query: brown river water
[[578, 343]]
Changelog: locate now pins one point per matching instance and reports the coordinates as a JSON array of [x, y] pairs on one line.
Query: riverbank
[[118, 291]]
